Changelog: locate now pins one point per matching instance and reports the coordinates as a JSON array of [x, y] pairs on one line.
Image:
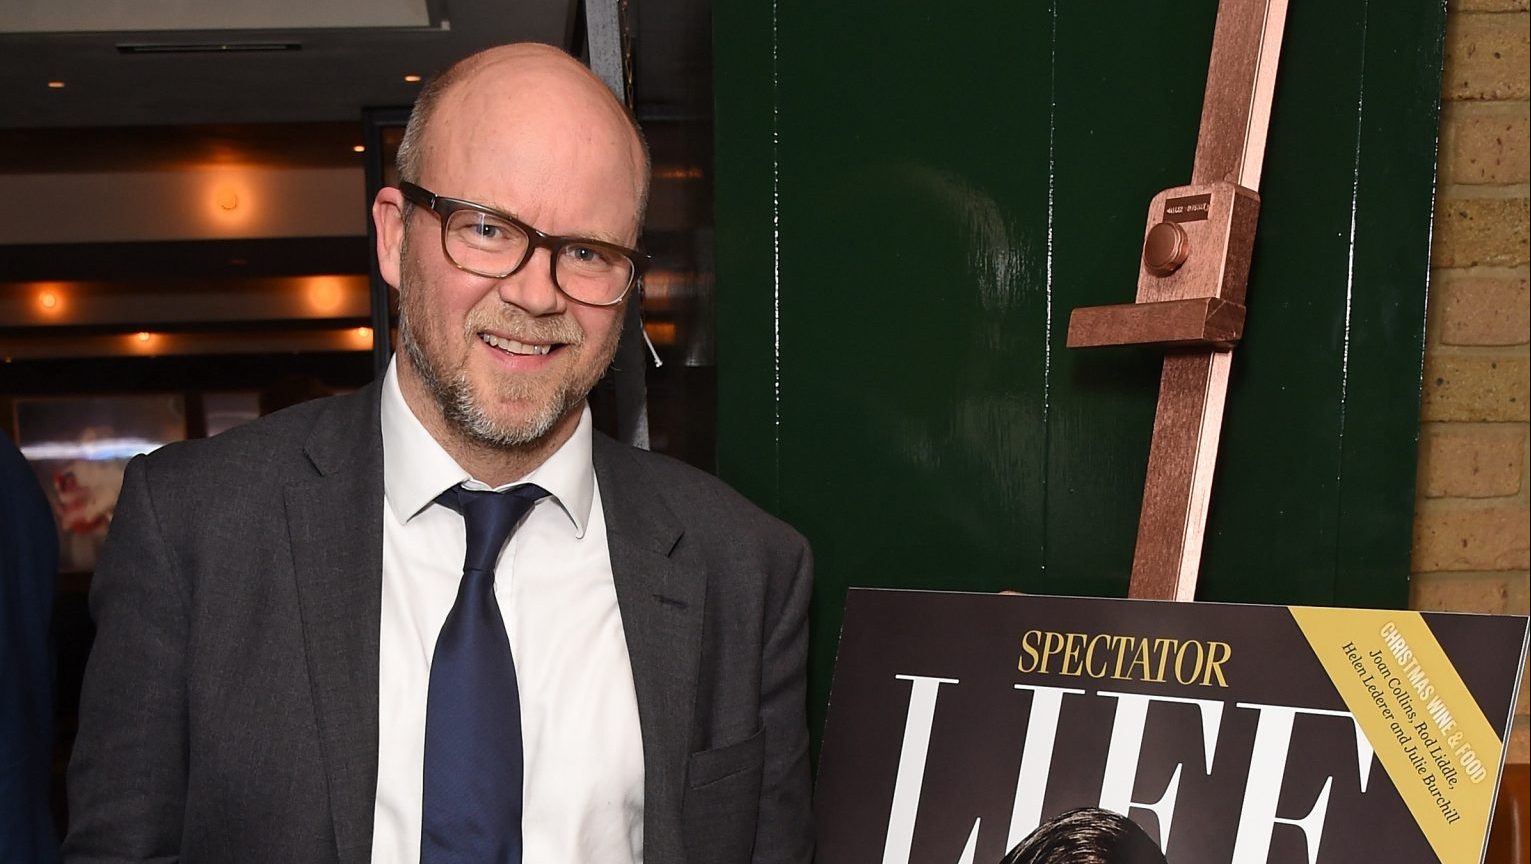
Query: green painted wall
[[911, 198]]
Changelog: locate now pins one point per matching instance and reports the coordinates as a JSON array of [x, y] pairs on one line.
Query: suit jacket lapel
[[335, 529], [661, 598], [335, 525]]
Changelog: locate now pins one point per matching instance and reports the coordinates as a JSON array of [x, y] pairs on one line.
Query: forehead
[[542, 139]]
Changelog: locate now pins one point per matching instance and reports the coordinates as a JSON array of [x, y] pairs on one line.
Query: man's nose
[[532, 288]]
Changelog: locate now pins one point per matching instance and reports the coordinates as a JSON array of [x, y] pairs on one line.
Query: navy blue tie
[[471, 803]]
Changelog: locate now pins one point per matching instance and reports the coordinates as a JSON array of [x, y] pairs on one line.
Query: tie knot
[[490, 518]]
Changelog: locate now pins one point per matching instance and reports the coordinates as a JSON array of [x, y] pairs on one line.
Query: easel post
[[1191, 286]]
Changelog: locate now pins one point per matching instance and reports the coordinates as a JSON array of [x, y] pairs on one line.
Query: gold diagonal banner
[[1440, 751]]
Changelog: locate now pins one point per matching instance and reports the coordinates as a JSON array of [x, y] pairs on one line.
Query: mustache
[[524, 328]]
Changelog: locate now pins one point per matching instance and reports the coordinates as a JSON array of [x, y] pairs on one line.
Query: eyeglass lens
[[491, 246]]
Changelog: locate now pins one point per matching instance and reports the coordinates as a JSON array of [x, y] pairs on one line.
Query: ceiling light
[[55, 85], [204, 47], [144, 336], [357, 148], [412, 79]]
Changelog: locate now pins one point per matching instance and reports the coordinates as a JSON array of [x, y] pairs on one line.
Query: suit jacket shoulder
[[698, 502], [214, 491], [319, 434]]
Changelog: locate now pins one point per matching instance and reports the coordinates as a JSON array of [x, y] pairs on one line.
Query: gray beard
[[454, 396]]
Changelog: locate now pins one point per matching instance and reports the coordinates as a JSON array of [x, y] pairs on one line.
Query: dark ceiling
[[229, 76], [208, 96]]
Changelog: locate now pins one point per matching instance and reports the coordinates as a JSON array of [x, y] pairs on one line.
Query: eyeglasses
[[486, 242]]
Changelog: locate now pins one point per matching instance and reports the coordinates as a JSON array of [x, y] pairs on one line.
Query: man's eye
[[586, 256], [485, 232]]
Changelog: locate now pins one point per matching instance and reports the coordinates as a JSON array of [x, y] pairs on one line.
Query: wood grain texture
[[1200, 322]]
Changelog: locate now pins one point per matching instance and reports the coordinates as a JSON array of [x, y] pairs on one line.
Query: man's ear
[[388, 216]]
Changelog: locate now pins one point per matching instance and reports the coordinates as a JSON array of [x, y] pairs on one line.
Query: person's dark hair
[[1088, 835]]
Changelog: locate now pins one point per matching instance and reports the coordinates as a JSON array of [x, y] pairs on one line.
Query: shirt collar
[[416, 468]]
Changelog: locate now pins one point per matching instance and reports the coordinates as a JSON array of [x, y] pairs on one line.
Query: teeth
[[514, 347]]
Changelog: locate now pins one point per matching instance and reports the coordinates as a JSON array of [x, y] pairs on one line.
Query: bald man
[[316, 643]]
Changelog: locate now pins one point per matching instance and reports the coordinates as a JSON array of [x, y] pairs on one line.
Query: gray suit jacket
[[230, 706]]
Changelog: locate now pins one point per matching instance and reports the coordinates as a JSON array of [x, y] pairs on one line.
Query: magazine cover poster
[[987, 728]]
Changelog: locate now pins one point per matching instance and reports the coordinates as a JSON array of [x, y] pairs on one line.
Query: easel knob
[[1165, 249]]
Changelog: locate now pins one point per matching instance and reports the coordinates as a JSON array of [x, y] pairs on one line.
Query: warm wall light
[[679, 172], [229, 200], [50, 303], [142, 343], [55, 85], [324, 294], [662, 280], [357, 148], [412, 79], [660, 332], [362, 337]]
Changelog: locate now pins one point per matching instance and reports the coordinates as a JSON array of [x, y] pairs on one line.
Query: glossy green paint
[[910, 202]]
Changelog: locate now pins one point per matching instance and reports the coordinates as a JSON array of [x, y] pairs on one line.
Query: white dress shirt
[[583, 781]]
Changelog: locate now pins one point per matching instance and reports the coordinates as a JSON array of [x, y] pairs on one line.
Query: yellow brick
[[1474, 387], [1486, 55], [1471, 460], [1490, 231], [1480, 309], [1470, 538], [1484, 143], [1489, 593]]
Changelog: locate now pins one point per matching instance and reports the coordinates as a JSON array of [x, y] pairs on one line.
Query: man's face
[[509, 395], [505, 360]]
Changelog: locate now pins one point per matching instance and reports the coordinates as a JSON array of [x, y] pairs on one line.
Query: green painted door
[[912, 197]]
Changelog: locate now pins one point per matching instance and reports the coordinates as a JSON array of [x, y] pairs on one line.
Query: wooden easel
[[1190, 299]]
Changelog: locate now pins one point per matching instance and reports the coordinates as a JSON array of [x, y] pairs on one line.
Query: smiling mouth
[[511, 346]]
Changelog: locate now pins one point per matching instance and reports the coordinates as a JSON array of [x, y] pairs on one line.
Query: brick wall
[[1471, 513]]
